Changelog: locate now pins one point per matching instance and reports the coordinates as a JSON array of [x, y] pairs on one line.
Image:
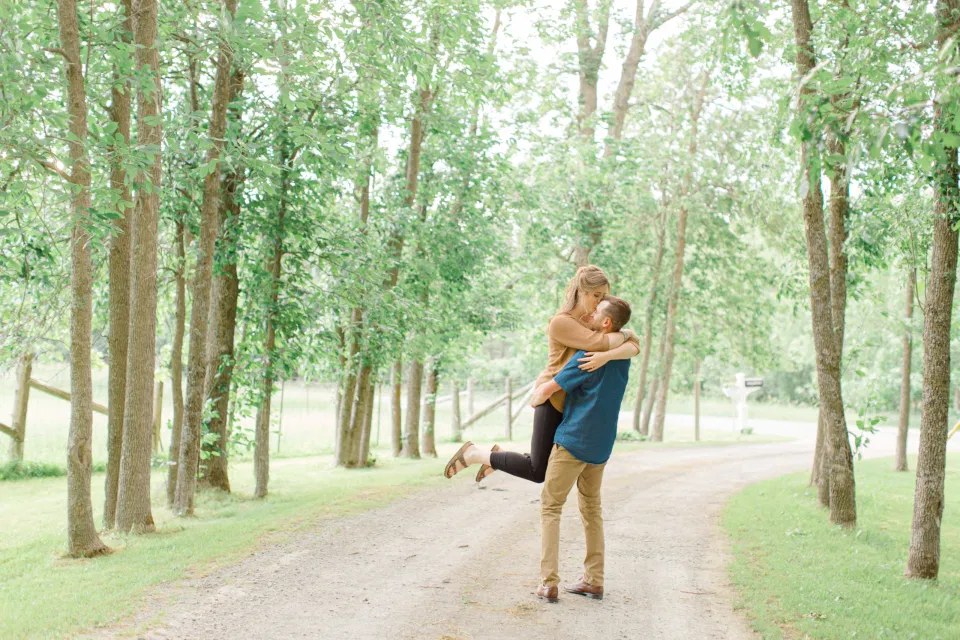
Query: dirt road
[[458, 562]]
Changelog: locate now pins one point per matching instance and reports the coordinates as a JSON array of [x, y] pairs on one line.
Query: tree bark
[[261, 460], [214, 472], [648, 333], [133, 498], [924, 558], [396, 422], [358, 419], [842, 487], [430, 411], [364, 458], [411, 434], [200, 312], [176, 360], [349, 389], [590, 57], [119, 286], [82, 538], [904, 424], [672, 303]]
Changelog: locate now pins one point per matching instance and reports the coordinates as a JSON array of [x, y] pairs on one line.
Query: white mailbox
[[738, 392]]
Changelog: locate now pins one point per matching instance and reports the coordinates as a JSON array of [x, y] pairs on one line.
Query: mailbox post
[[738, 392]]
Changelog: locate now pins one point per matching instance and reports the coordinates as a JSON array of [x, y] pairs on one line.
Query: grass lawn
[[801, 577]]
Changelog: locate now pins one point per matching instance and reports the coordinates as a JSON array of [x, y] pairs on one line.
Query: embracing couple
[[576, 406]]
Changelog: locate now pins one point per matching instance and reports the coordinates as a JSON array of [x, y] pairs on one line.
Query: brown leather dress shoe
[[550, 593], [584, 588]]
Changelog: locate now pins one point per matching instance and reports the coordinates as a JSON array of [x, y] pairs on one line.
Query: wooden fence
[[17, 430]]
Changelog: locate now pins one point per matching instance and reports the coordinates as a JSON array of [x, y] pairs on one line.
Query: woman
[[567, 333]]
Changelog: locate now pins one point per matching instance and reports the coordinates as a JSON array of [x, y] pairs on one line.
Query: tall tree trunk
[[589, 58], [904, 424], [672, 303], [363, 459], [261, 460], [133, 498], [220, 339], [648, 333], [119, 288], [924, 558], [349, 388], [82, 538], [360, 418], [842, 487], [820, 475], [396, 422], [176, 359], [200, 312], [411, 434], [430, 411]]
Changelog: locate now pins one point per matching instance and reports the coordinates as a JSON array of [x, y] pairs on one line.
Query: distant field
[[308, 421]]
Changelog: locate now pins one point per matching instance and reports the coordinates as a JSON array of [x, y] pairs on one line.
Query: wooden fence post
[[508, 433], [18, 430], [455, 428], [157, 415], [696, 399], [469, 396]]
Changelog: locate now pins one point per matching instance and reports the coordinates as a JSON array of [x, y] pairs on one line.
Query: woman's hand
[[538, 397], [592, 361]]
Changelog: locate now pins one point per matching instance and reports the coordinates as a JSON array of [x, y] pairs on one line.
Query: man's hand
[[592, 361], [628, 334]]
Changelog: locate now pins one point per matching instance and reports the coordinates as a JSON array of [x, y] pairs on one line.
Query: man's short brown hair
[[618, 310]]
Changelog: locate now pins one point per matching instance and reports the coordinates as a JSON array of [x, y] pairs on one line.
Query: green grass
[[799, 576], [43, 594]]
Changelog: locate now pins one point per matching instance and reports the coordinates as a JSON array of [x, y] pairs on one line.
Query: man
[[582, 446]]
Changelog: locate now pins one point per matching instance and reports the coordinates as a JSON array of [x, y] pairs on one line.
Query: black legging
[[532, 466]]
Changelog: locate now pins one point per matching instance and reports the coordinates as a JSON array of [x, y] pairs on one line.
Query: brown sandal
[[451, 468], [485, 469]]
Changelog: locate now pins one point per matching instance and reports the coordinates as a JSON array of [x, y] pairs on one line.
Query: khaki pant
[[563, 471]]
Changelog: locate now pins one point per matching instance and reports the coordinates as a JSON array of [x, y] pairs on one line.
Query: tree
[[187, 466], [924, 558], [119, 268], [133, 503], [661, 405], [842, 487], [904, 422], [82, 538]]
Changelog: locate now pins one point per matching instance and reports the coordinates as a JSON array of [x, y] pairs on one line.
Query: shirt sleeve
[[568, 331], [572, 376]]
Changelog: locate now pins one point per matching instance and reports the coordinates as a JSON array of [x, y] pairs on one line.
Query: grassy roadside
[[43, 594], [800, 577]]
